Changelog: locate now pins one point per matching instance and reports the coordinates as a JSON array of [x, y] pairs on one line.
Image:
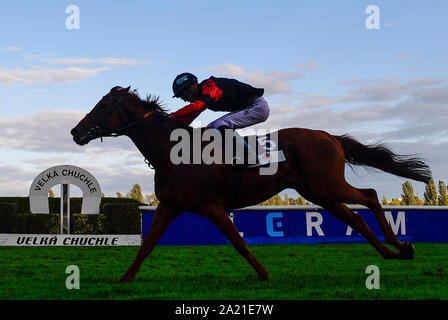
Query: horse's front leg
[[219, 218], [163, 217]]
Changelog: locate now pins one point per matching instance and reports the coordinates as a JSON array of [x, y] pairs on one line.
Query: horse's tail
[[381, 157]]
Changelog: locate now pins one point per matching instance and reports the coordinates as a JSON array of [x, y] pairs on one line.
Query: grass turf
[[327, 271]]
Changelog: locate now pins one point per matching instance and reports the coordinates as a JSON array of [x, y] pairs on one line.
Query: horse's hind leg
[[163, 217], [344, 192], [219, 218], [357, 223], [369, 198]]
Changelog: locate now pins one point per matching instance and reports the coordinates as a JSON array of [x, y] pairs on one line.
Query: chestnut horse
[[314, 167]]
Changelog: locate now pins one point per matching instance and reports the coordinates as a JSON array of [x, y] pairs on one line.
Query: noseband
[[100, 132]]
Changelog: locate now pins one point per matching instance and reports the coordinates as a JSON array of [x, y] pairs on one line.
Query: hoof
[[263, 276], [126, 279], [408, 251]]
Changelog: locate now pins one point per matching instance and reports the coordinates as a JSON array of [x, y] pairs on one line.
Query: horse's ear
[[116, 88]]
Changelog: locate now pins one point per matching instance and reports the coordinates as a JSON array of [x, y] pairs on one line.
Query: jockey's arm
[[210, 93], [190, 112]]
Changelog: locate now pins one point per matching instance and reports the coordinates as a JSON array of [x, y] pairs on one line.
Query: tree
[[430, 194], [395, 202], [385, 202], [278, 201], [443, 197], [152, 199], [119, 195], [136, 193], [287, 201], [408, 197], [51, 193], [418, 201], [300, 201]]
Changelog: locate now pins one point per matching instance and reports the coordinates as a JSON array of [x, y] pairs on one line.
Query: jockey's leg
[[238, 148], [256, 113]]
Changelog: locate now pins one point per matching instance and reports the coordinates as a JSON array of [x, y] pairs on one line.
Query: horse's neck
[[153, 140]]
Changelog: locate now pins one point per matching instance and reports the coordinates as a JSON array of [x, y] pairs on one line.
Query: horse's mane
[[150, 102], [153, 103]]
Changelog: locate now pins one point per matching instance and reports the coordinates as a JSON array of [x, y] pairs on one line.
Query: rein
[[98, 131], [115, 133]]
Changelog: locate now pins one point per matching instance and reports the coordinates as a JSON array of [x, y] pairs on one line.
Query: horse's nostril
[[74, 132]]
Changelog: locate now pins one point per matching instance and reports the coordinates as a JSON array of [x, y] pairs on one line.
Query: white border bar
[[315, 207], [69, 240]]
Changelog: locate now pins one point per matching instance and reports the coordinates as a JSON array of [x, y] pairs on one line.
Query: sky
[[321, 64]]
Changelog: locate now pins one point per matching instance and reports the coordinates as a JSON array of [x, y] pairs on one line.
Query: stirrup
[[245, 162], [261, 161], [240, 163]]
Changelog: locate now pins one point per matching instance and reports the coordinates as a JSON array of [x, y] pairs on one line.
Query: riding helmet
[[182, 81]]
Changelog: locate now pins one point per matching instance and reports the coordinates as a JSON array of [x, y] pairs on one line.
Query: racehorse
[[314, 167]]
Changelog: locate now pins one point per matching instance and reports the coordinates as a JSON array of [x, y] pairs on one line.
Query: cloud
[[33, 143], [360, 82], [48, 132], [376, 93], [46, 75], [10, 49], [413, 110], [51, 75], [283, 109], [425, 82], [274, 82], [103, 61], [309, 65], [230, 70], [45, 131], [317, 100], [427, 95], [16, 178]]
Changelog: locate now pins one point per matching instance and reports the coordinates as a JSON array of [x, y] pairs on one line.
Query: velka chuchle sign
[[69, 240], [65, 175]]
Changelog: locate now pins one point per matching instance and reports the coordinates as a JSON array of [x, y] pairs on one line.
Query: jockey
[[245, 104]]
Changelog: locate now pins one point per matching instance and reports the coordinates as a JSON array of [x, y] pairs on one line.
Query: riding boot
[[240, 144], [248, 157]]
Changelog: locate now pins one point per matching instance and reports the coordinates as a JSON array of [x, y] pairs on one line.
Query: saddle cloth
[[266, 148]]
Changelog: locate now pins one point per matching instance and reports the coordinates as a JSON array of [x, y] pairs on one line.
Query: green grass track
[[327, 271]]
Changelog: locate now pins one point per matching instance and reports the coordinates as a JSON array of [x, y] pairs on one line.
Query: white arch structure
[[65, 175]]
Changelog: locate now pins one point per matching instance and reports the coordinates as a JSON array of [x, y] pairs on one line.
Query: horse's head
[[112, 115]]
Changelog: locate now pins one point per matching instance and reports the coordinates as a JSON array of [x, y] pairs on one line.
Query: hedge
[[121, 218], [117, 216], [9, 219], [23, 203], [38, 223], [85, 224]]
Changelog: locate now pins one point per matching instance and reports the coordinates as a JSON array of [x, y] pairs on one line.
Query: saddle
[[259, 151]]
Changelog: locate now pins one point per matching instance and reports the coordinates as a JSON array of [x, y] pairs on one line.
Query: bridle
[[98, 131]]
